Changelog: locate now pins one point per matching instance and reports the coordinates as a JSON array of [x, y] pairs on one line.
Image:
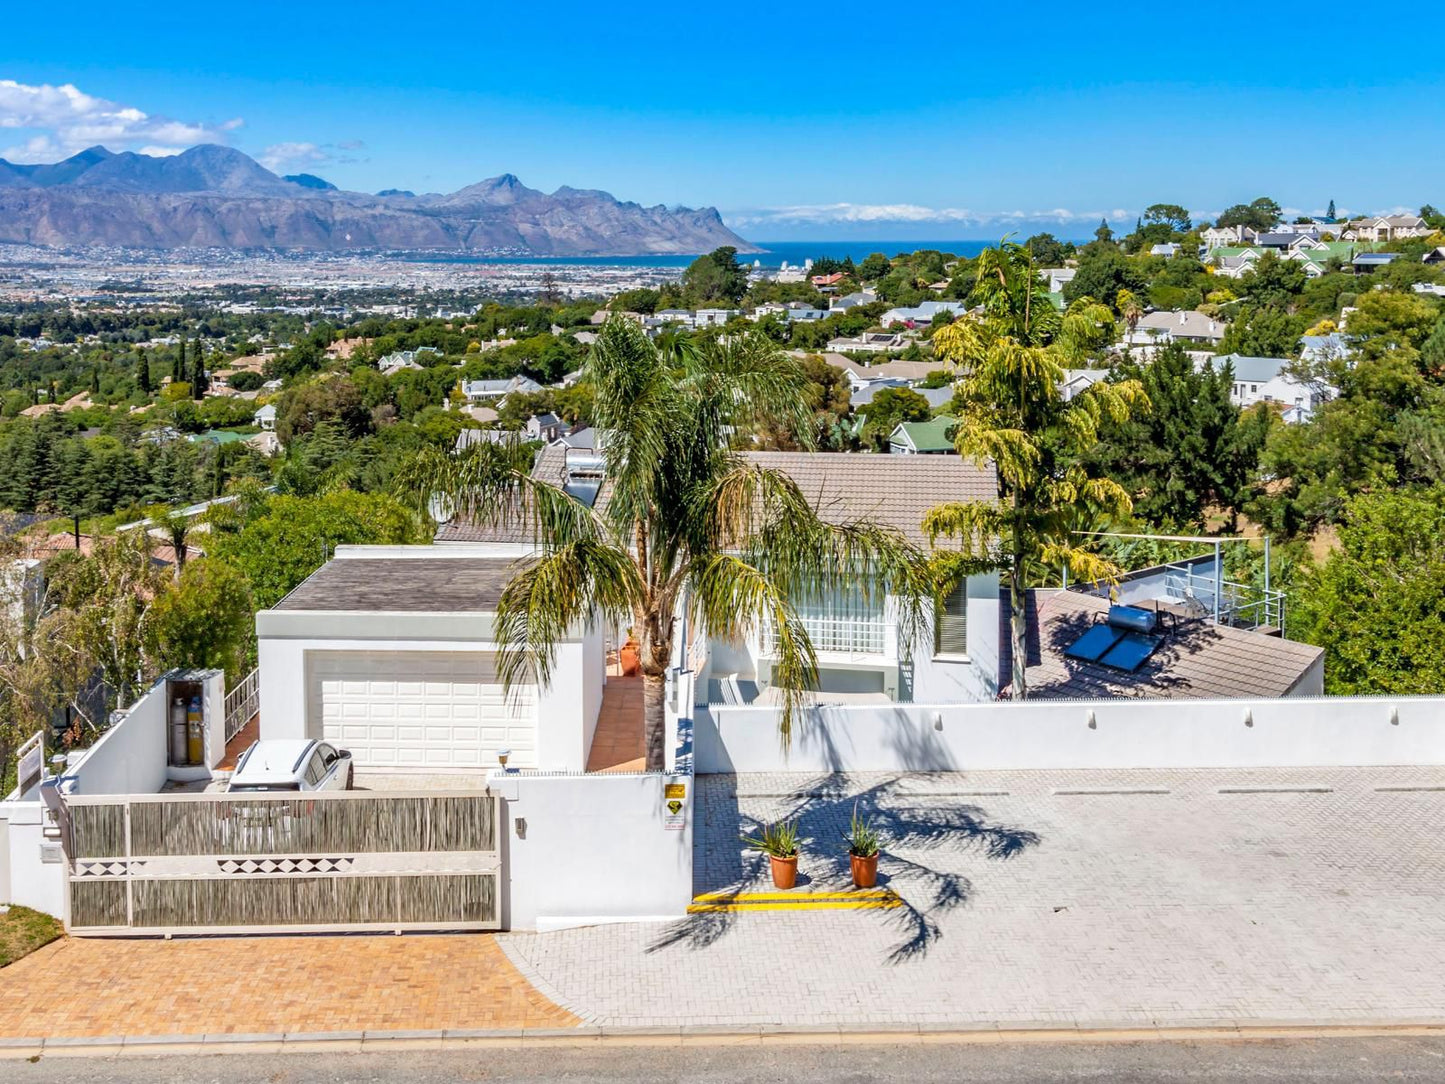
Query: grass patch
[[22, 931]]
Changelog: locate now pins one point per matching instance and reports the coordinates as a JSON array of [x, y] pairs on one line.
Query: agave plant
[[863, 839], [688, 521], [778, 840]]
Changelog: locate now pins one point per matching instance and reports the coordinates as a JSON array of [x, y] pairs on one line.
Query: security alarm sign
[[674, 797]]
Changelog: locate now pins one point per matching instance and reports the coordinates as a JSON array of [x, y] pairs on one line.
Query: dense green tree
[[1377, 604], [1101, 276], [1048, 250], [874, 267], [716, 278], [1171, 215], [1330, 213], [889, 407], [287, 538], [1190, 452], [1262, 214], [143, 373], [178, 365], [204, 621]]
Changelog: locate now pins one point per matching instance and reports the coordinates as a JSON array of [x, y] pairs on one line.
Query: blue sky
[[840, 121]]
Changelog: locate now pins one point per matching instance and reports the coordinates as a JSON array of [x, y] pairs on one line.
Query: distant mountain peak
[[310, 180], [213, 195]]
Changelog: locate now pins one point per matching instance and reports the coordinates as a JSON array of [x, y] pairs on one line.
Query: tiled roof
[[404, 585], [892, 490], [895, 490], [1198, 659]]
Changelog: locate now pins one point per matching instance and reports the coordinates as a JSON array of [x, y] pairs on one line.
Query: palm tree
[[1011, 366], [688, 524]]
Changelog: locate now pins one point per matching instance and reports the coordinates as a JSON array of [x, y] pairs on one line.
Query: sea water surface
[[775, 253]]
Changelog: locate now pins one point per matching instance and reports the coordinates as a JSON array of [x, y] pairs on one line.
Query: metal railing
[[1239, 605], [242, 703]]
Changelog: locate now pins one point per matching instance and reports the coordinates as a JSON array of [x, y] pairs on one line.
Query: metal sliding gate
[[263, 863]]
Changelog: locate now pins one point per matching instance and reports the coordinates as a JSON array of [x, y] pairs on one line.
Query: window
[[315, 769], [950, 631]]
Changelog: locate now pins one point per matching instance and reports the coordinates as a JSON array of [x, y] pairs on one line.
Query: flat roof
[[404, 585]]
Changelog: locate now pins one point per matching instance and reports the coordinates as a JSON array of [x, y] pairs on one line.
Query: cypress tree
[[95, 380], [178, 369], [143, 373], [1330, 214], [198, 373]]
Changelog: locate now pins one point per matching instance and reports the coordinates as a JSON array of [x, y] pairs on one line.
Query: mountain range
[[214, 196]]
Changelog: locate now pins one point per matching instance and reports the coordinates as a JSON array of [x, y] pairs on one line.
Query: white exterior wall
[[26, 877], [1048, 735], [567, 709], [581, 849]]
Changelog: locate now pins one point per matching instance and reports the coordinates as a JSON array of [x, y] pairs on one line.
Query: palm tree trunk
[[654, 720]]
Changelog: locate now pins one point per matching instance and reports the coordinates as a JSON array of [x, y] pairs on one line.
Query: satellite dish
[[440, 508]]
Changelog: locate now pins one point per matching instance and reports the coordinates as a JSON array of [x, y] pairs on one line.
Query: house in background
[[265, 417], [923, 438], [1268, 380], [1163, 327], [1367, 263], [1386, 228]]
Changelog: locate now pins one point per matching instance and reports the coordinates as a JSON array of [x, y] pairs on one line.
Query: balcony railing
[[242, 703], [1239, 605]]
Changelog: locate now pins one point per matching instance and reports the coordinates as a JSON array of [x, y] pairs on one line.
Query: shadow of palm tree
[[911, 825]]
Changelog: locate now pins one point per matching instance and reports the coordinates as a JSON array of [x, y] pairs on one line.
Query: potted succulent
[[862, 841], [779, 841]]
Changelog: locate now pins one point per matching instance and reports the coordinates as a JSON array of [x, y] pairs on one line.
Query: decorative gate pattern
[[208, 863]]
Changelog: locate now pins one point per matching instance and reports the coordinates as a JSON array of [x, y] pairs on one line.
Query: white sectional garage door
[[414, 709]]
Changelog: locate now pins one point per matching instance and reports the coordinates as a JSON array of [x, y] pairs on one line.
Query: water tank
[[1133, 618]]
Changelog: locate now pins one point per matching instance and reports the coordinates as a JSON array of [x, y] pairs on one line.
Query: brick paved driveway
[[1065, 898], [231, 985]]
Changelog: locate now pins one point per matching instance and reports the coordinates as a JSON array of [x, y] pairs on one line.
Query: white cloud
[[280, 156], [836, 213], [160, 152], [70, 120]]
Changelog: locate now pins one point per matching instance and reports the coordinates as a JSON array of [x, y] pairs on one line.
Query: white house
[[1266, 380], [922, 313], [266, 417], [477, 391], [1170, 326], [389, 652], [1058, 277]]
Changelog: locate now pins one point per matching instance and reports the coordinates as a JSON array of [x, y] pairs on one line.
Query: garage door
[[411, 709]]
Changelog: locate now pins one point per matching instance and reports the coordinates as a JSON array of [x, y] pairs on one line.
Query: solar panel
[[1094, 643], [1131, 651]]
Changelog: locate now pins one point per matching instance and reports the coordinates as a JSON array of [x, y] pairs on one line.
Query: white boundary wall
[[583, 849], [1295, 732]]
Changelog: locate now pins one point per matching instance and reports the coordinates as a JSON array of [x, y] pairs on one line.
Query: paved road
[[1326, 1060], [1080, 898]]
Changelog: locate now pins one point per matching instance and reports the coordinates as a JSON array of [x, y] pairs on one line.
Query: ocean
[[775, 254]]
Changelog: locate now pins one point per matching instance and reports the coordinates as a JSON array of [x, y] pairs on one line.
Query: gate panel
[[208, 863]]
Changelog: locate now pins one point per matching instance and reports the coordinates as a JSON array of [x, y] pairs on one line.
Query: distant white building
[[922, 313], [266, 418], [477, 391], [1265, 380], [1163, 327]]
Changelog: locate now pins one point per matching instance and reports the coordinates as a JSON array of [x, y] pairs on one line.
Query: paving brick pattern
[[208, 986], [1174, 898]]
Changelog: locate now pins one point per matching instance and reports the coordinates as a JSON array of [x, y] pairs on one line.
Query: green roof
[[932, 435]]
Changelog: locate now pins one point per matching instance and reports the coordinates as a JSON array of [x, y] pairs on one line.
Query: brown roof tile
[[1197, 660]]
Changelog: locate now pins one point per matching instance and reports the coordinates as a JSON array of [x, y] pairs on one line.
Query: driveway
[[255, 985], [1176, 898]]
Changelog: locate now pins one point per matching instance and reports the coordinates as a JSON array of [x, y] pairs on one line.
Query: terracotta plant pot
[[785, 871], [630, 658], [865, 870]]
